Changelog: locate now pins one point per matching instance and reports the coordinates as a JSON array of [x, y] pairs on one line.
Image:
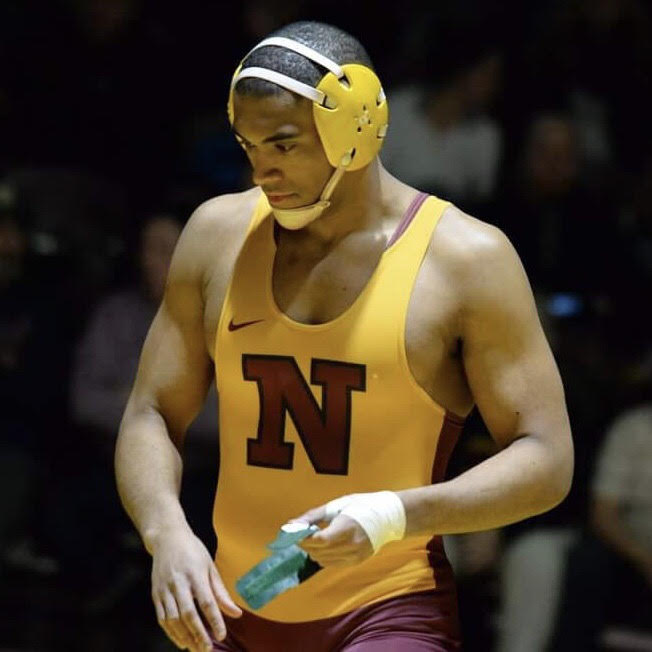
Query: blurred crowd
[[532, 116]]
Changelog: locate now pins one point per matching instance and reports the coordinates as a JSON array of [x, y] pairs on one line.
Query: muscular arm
[[516, 385], [172, 380]]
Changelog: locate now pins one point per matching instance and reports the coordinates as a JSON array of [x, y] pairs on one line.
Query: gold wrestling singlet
[[309, 413]]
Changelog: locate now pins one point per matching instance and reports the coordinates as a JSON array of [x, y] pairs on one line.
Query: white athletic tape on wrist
[[380, 514]]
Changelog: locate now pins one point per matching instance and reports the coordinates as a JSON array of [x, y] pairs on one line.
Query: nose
[[265, 170]]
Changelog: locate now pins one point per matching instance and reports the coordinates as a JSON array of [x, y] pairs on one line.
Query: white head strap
[[309, 92], [282, 80]]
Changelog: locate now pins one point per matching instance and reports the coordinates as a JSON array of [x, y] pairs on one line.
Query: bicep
[[510, 369], [174, 370]]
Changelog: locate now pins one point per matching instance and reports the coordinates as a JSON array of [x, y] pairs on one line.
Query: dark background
[[114, 110]]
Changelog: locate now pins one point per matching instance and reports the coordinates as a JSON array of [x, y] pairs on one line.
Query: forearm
[[148, 473], [525, 478]]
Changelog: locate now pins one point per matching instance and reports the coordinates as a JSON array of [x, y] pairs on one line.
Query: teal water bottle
[[283, 570]]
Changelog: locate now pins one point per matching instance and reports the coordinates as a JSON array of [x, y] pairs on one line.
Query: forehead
[[263, 116]]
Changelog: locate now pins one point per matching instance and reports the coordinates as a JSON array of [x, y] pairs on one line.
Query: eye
[[285, 147]]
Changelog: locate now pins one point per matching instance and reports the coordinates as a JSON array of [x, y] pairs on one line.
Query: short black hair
[[330, 41]]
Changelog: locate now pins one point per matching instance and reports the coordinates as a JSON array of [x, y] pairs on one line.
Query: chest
[[314, 290]]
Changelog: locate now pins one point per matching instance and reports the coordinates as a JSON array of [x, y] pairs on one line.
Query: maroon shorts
[[416, 622]]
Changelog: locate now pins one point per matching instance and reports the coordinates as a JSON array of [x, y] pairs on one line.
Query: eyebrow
[[281, 135]]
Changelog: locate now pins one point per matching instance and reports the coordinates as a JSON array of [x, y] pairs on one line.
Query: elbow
[[560, 476], [554, 478], [561, 488], [568, 465]]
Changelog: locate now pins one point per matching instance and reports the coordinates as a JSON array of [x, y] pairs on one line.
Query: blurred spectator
[[615, 559], [536, 550], [532, 577], [592, 59], [562, 228], [108, 353], [441, 137], [23, 393], [622, 489]]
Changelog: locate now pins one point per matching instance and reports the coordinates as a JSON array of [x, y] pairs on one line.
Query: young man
[[349, 338]]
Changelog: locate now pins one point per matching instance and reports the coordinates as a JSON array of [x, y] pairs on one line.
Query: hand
[[184, 576], [342, 543]]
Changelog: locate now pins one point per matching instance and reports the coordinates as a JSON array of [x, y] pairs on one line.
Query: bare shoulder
[[477, 256], [216, 227], [468, 242]]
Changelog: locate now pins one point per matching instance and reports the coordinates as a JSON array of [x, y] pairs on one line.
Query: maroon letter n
[[325, 432]]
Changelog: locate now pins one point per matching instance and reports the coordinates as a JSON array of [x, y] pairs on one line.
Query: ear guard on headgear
[[350, 112], [357, 123]]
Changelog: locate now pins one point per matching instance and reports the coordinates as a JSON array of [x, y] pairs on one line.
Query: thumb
[[314, 515]]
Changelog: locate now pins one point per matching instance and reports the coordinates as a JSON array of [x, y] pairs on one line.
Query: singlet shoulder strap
[[419, 221]]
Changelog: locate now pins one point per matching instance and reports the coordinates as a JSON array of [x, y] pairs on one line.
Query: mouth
[[277, 198]]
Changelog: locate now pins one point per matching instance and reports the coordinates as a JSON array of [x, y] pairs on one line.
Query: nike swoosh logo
[[234, 327]]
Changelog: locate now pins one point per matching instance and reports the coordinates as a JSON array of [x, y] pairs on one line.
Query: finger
[[191, 619], [208, 606], [160, 617], [314, 515], [172, 624], [222, 596], [158, 608]]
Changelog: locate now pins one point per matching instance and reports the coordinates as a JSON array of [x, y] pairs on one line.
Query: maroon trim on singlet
[[412, 210], [448, 436], [412, 622]]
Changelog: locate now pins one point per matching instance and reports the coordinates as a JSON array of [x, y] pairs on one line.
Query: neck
[[360, 202]]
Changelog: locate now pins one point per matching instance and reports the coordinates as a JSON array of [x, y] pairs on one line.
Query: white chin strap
[[297, 218]]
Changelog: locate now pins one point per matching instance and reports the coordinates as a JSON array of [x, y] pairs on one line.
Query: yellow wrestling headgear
[[350, 112]]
